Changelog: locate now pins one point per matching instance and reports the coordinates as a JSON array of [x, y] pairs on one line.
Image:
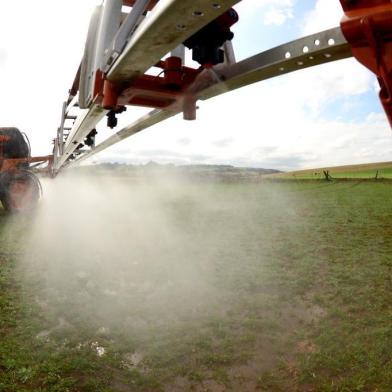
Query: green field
[[382, 170], [200, 287]]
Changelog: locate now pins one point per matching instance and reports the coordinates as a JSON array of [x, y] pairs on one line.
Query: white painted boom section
[[146, 121], [85, 122], [168, 25]]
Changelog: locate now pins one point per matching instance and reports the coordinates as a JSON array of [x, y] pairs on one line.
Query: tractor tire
[[20, 192]]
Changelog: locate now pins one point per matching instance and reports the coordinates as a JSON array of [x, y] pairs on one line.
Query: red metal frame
[[164, 91], [367, 26], [169, 90], [12, 165]]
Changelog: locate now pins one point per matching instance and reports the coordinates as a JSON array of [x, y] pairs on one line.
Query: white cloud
[[274, 12], [343, 78], [319, 86], [277, 17], [376, 86], [251, 4], [43, 42], [3, 57], [325, 15]]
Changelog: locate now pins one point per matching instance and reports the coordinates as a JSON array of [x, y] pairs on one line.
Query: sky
[[322, 116]]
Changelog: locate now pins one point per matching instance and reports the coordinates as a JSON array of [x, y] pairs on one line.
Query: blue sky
[[253, 37], [327, 115]]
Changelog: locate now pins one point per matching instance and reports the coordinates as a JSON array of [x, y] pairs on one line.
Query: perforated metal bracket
[[315, 49]]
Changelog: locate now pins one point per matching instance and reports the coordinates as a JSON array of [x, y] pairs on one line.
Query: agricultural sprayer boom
[[127, 38]]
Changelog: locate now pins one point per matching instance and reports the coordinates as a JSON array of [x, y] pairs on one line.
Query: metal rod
[[124, 32], [229, 52], [72, 103], [83, 125], [109, 25], [151, 118], [320, 48], [179, 52], [61, 130]]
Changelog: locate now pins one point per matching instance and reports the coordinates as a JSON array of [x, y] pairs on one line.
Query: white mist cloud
[[125, 253]]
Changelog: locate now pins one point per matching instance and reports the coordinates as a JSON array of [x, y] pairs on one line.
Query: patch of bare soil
[[274, 353]]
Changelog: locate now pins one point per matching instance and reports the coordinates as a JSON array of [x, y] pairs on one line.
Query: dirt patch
[[274, 354], [182, 384], [306, 347]]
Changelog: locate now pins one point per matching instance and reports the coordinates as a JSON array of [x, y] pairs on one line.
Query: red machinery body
[[19, 186], [367, 26], [168, 90]]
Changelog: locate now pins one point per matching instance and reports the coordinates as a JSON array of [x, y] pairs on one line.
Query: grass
[[382, 170], [299, 299]]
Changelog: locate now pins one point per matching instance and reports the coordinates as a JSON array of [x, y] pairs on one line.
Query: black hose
[[28, 142]]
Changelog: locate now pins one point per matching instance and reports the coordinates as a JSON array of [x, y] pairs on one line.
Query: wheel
[[21, 192]]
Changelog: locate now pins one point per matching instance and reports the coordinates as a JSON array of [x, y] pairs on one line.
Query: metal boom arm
[[171, 22], [121, 48], [324, 47]]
